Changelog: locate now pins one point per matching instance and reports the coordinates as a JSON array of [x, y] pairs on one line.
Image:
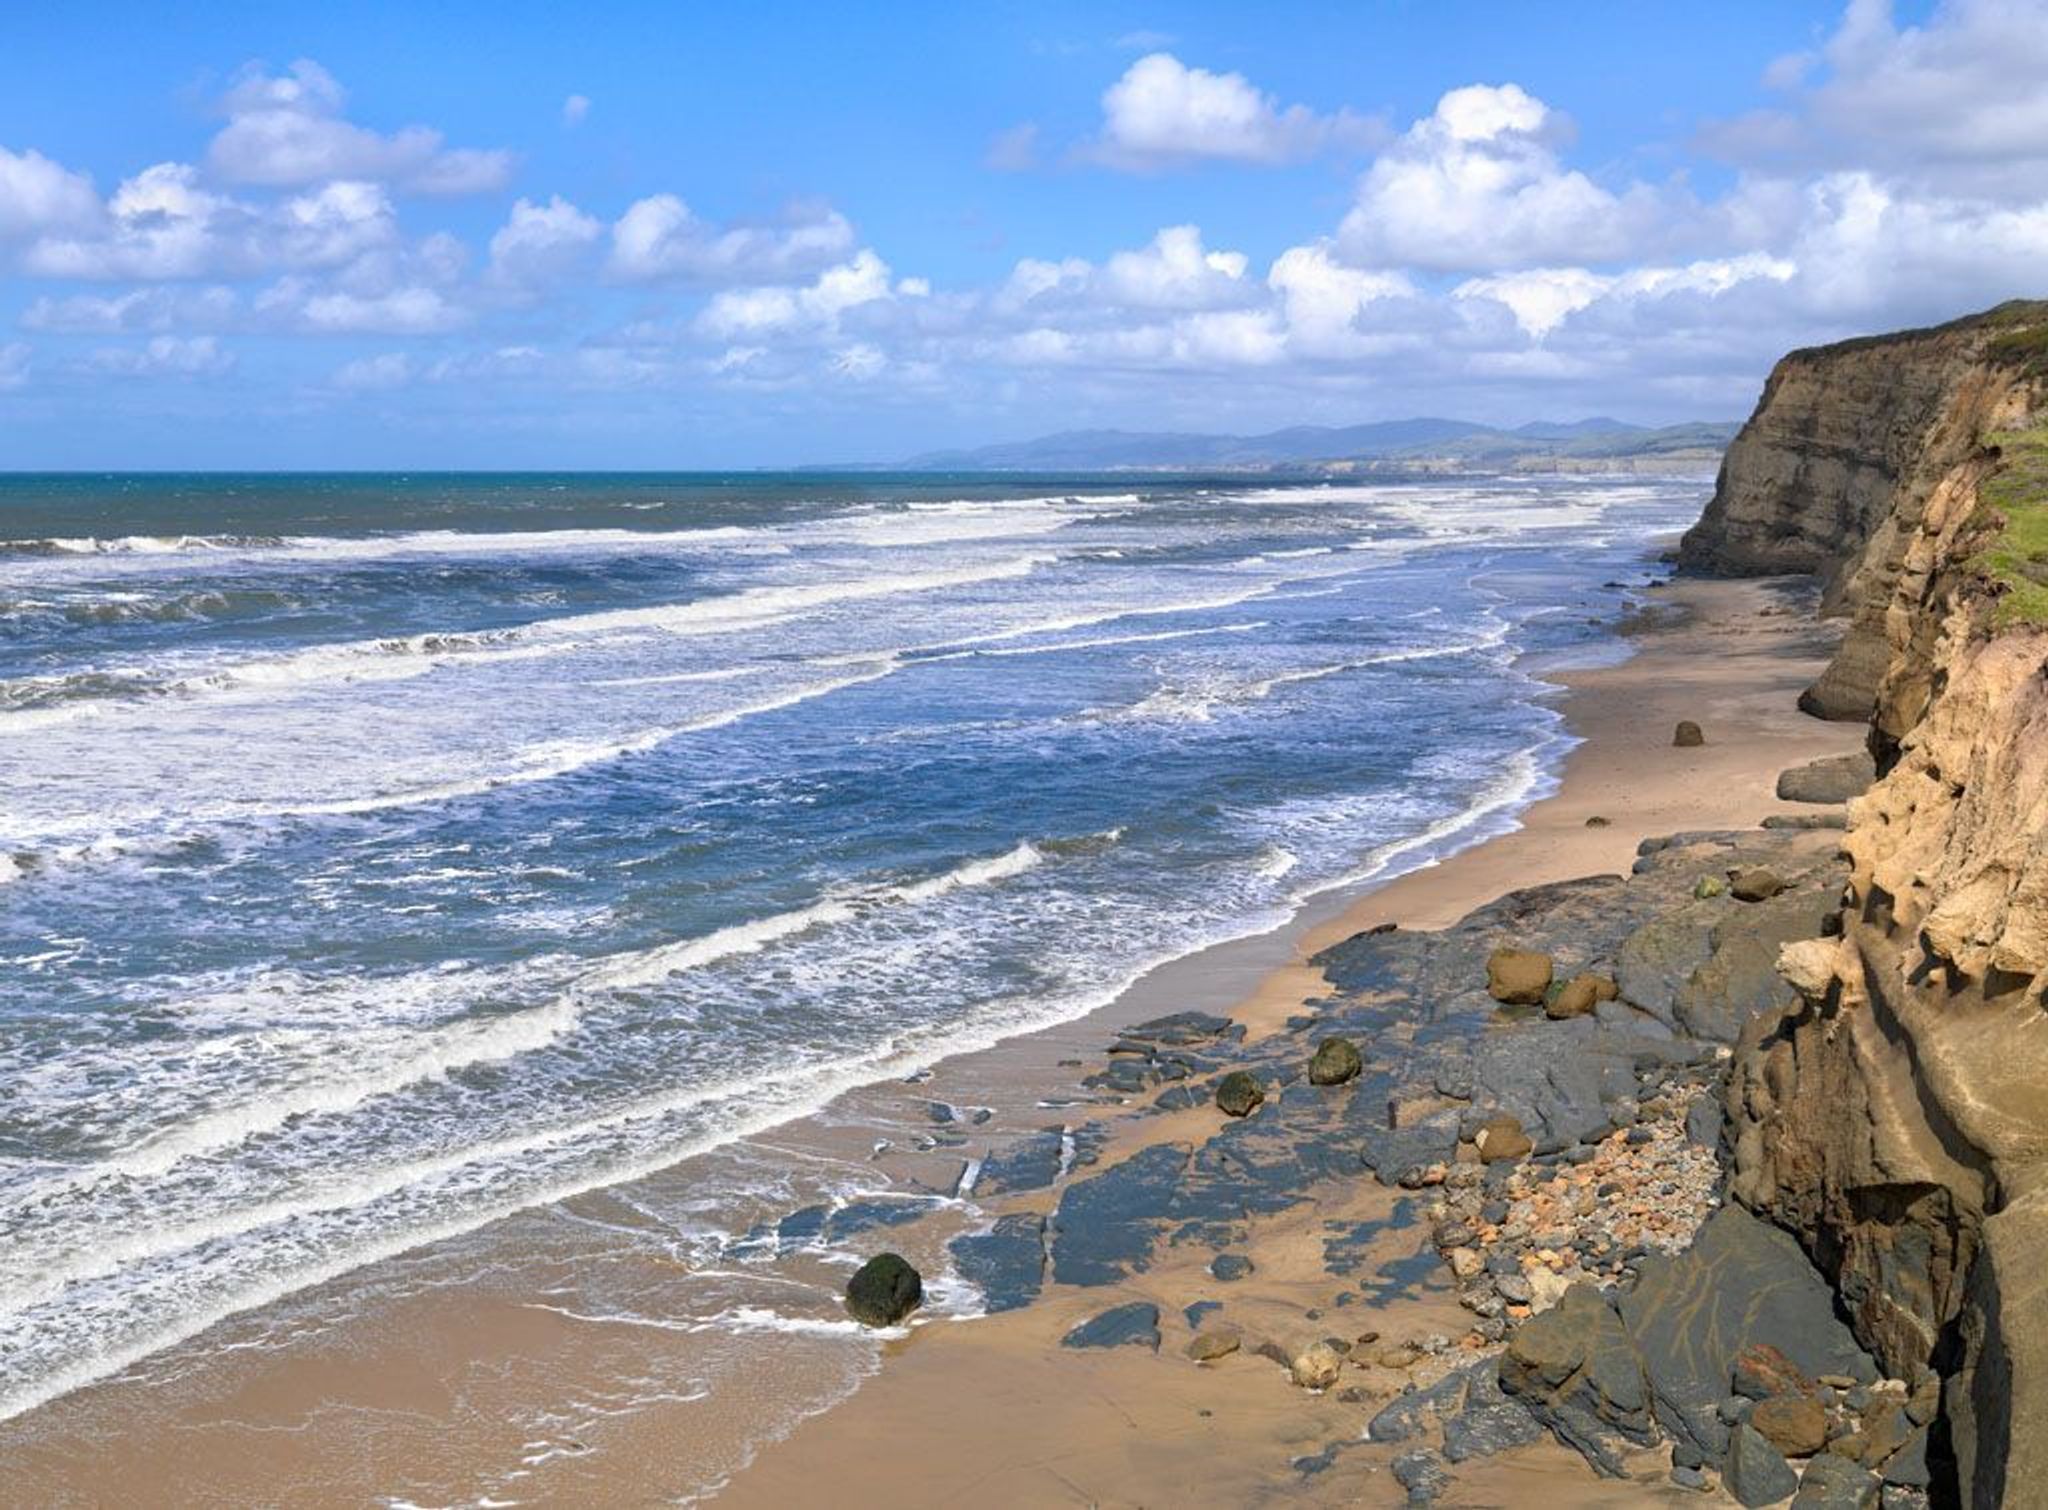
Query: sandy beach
[[436, 1386], [996, 1411]]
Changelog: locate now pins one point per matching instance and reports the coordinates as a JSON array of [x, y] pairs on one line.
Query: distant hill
[[1404, 444]]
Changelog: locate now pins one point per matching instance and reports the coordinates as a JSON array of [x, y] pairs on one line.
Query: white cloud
[[286, 130], [405, 309], [1162, 113], [539, 243], [1323, 301], [38, 195], [376, 374], [1477, 185], [1541, 299], [14, 358], [575, 110], [817, 307], [164, 356], [660, 238], [1173, 271]]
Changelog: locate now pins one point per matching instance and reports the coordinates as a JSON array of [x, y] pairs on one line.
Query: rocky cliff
[[1834, 469], [1895, 1119]]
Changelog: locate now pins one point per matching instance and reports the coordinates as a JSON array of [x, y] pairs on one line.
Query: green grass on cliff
[[2017, 557]]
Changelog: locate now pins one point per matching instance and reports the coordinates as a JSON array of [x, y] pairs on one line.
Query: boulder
[[1741, 978], [1761, 1372], [1835, 779], [1230, 1266], [1133, 1325], [1687, 735], [1501, 1138], [1576, 1370], [1794, 1424], [1317, 1367], [883, 1290], [1756, 1473], [1334, 1062], [1207, 1347], [1422, 1474], [1239, 1093], [1835, 1483], [1755, 883], [1580, 995], [1518, 977]]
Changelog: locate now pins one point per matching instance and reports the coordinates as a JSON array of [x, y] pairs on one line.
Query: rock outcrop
[[1833, 475], [1894, 1119]]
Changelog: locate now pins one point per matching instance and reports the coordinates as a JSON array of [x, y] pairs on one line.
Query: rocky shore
[[1720, 1174]]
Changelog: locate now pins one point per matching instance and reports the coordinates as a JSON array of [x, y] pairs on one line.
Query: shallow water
[[386, 855]]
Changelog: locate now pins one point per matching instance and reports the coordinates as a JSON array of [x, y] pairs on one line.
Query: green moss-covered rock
[[1239, 1093], [883, 1290], [1334, 1062]]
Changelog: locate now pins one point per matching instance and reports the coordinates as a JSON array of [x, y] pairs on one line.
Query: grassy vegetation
[[2025, 348], [2017, 556]]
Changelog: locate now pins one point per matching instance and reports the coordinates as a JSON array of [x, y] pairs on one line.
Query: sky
[[659, 236]]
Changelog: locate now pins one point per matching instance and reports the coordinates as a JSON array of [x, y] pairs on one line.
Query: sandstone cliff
[[1895, 1120], [1832, 472]]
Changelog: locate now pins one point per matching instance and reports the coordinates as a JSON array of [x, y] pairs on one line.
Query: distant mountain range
[[1388, 445]]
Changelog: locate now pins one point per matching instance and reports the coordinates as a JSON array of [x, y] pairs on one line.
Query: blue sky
[[379, 235]]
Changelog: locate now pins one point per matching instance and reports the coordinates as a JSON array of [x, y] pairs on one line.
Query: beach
[[437, 1386]]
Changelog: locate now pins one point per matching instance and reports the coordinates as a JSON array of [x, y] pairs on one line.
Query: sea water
[[381, 855]]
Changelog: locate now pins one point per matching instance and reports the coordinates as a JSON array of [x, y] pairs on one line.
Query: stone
[[1207, 1347], [1334, 1062], [1501, 1138], [1239, 1093], [1797, 1425], [1687, 735], [1518, 977], [1132, 1325], [1104, 1226], [1466, 1263], [883, 1290], [1755, 883], [1580, 995], [1317, 1367], [1835, 1483], [1709, 886], [1490, 1421], [1577, 1370], [1230, 1266], [1834, 779], [1756, 1473]]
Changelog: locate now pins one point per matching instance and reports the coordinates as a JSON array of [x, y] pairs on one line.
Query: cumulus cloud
[[140, 309], [540, 243], [1542, 298], [575, 110], [661, 238], [816, 307], [37, 195], [1478, 184], [286, 130], [1162, 113]]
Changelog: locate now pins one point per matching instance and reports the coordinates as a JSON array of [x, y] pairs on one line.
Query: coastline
[[998, 1409], [1731, 655]]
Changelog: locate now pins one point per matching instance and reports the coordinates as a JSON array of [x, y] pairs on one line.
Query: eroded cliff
[[1834, 469], [1895, 1119]]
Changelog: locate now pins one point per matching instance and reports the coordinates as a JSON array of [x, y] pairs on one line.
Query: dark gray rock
[[1659, 958], [1132, 1325], [1742, 1281], [1575, 1367], [1410, 1413], [883, 1290], [1740, 978], [1703, 1122], [1834, 779], [1007, 1262], [1104, 1226], [1422, 1474], [1908, 1466], [1230, 1266], [1490, 1422], [1835, 1483], [1030, 1163], [1756, 1473]]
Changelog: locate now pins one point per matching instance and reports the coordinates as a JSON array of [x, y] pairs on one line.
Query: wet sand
[[559, 1357]]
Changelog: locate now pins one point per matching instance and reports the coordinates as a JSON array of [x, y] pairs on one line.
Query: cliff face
[[1833, 470], [1895, 1119]]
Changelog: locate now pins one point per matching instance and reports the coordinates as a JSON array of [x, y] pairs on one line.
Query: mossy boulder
[[1518, 977], [1334, 1062], [1687, 736], [1239, 1093], [884, 1290]]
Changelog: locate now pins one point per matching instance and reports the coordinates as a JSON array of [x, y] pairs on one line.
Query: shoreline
[[1733, 660], [1730, 654]]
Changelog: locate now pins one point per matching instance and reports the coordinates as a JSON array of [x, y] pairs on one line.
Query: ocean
[[384, 855]]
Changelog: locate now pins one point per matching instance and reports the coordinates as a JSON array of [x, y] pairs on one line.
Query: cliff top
[[2024, 320]]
